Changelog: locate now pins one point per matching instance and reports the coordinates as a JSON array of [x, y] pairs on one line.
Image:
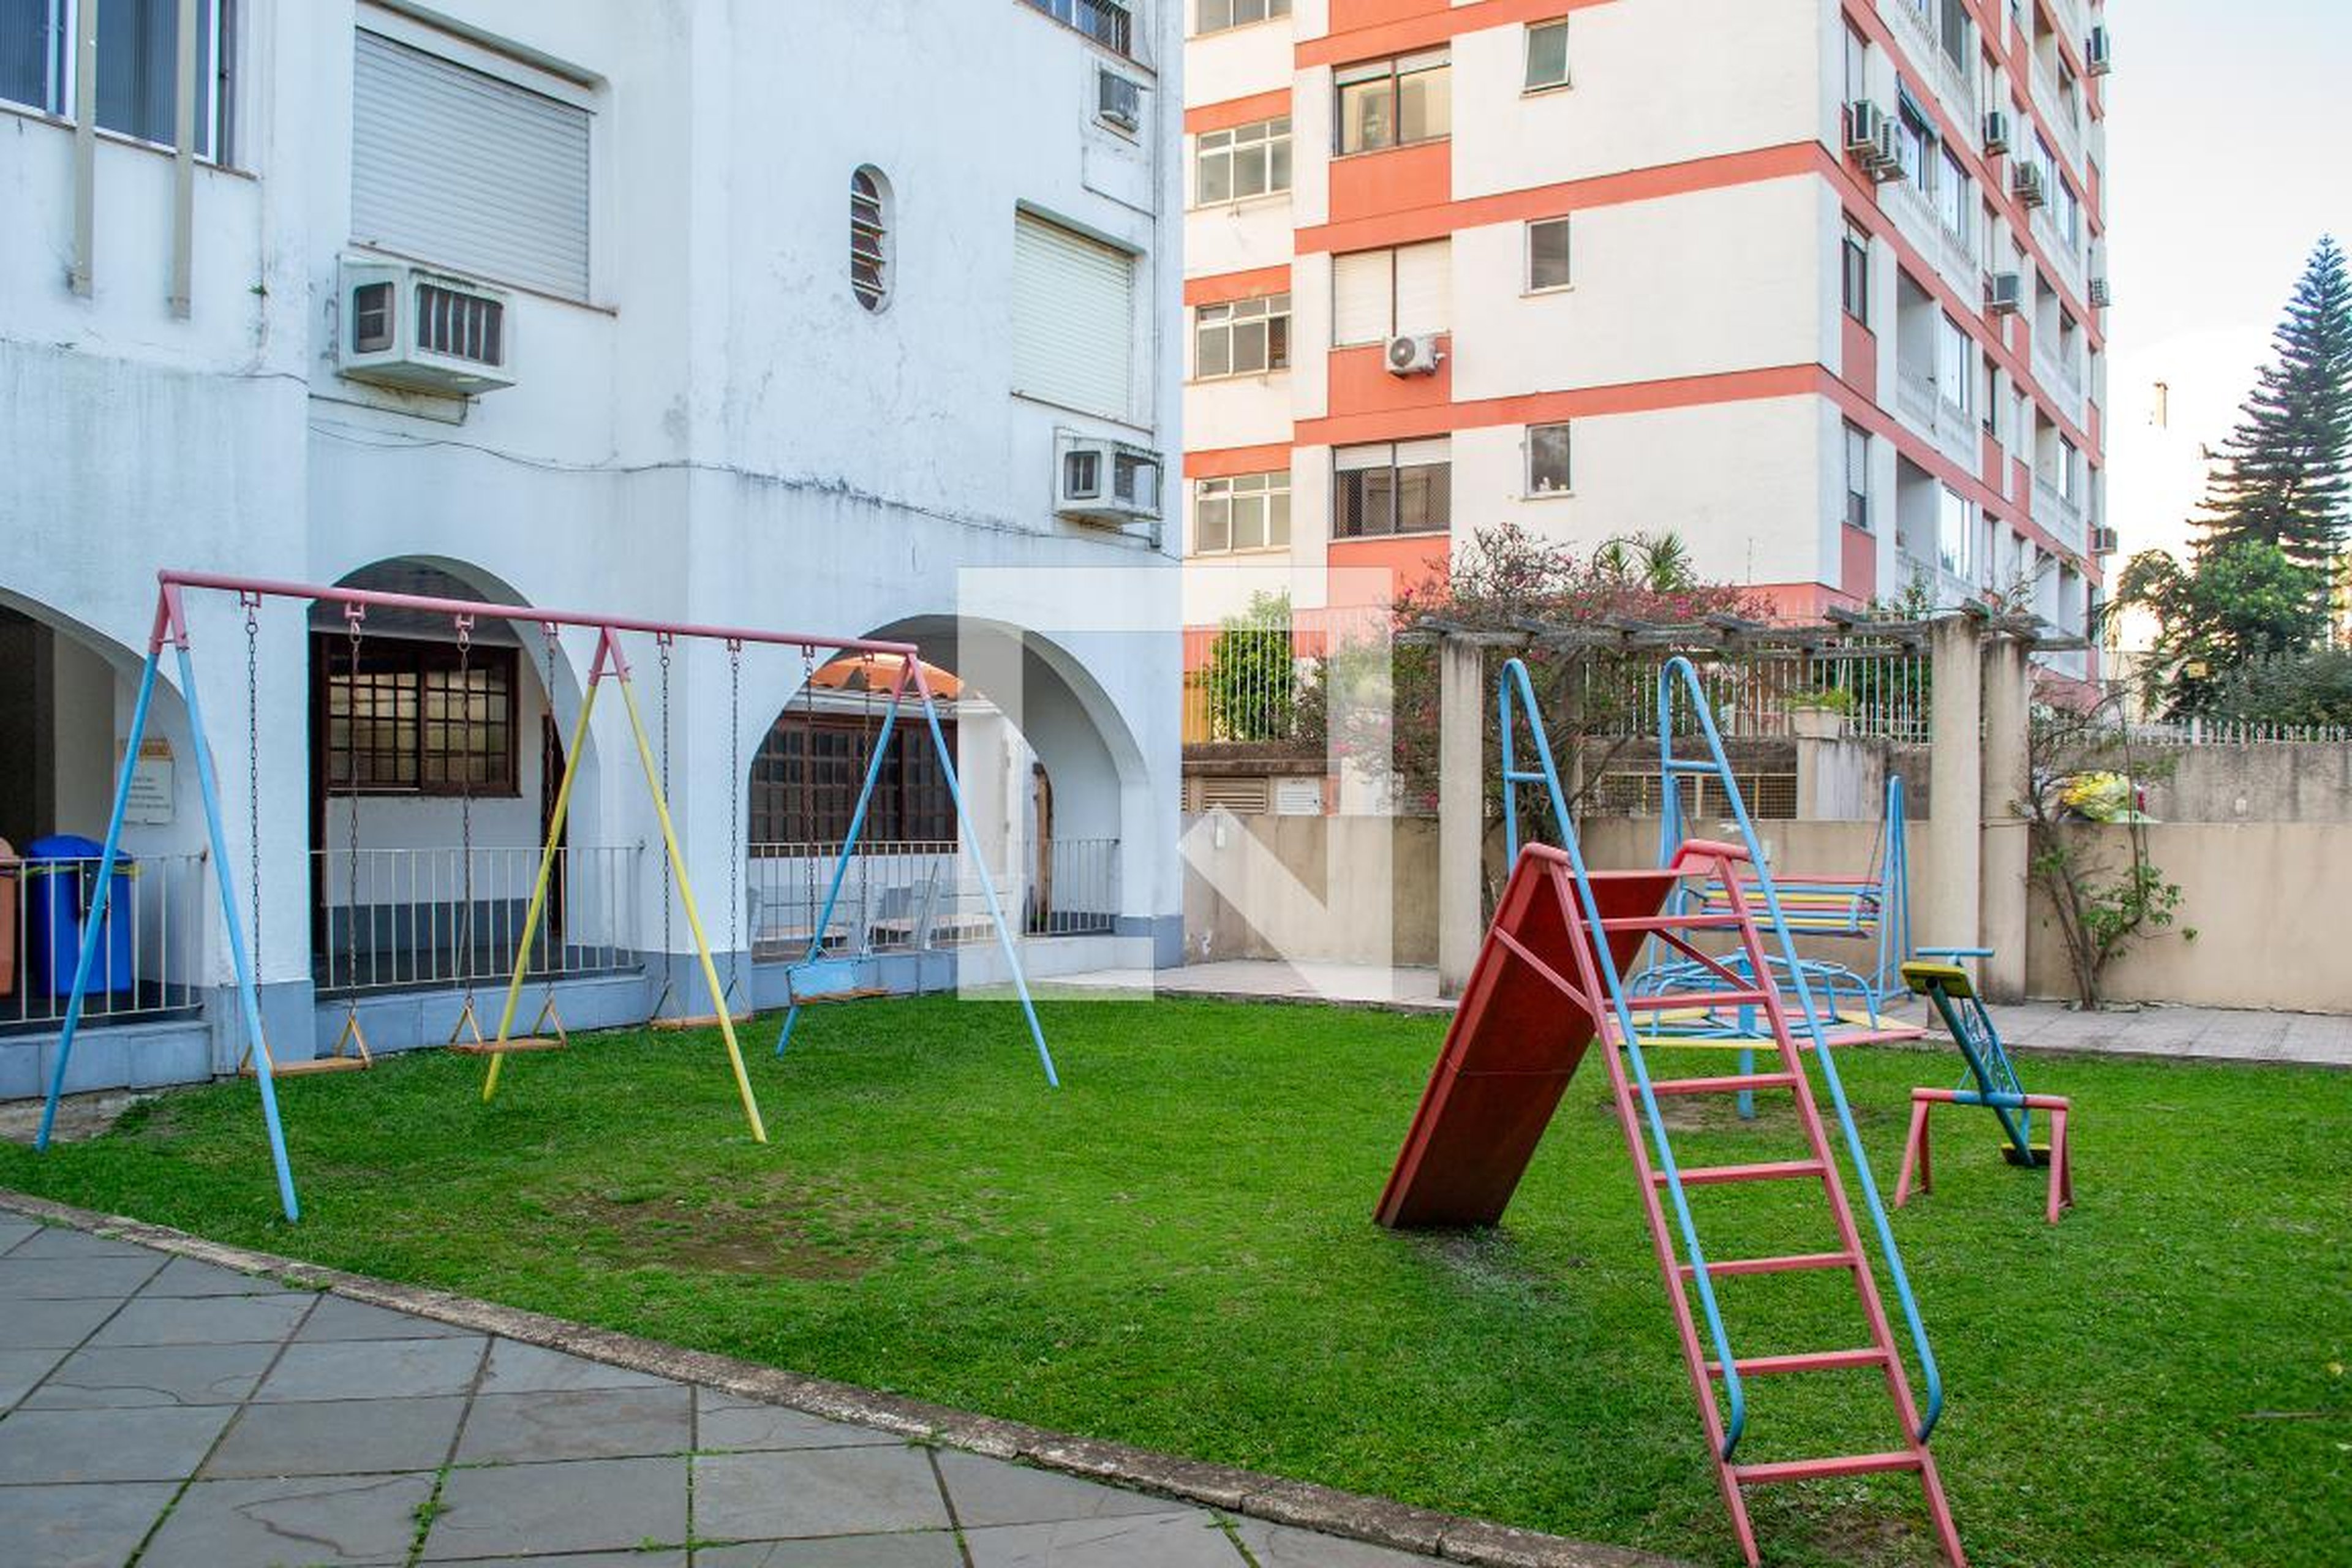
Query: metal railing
[[1884, 689], [921, 895], [1253, 680], [2233, 732], [406, 921], [150, 957]]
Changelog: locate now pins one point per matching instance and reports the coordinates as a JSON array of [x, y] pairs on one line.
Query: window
[[1547, 54], [408, 721], [138, 65], [1247, 160], [1912, 141], [1216, 15], [1955, 539], [1110, 23], [1956, 32], [1954, 201], [1242, 337], [1857, 65], [1547, 254], [1548, 467], [1378, 294], [1857, 477], [1243, 511], [807, 772], [1391, 103], [2069, 472], [870, 238], [1855, 286], [2066, 208], [1406, 487], [1072, 319], [471, 171], [1955, 363]]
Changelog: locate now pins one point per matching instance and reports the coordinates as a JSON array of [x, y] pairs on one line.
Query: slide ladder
[[1550, 981]]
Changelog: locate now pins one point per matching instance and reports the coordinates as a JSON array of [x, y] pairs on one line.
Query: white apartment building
[[1816, 285], [783, 316]]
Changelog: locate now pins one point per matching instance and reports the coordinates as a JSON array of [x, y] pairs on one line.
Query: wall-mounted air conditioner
[[1414, 353], [2101, 295], [421, 330], [1996, 130], [2025, 184], [1886, 164], [2004, 293], [1101, 480], [1863, 118], [1118, 100], [2097, 61], [2103, 541]]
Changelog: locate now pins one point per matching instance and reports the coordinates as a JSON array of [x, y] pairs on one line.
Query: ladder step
[[1665, 1001], [1820, 1470], [1789, 1264], [505, 1048], [1770, 1171], [1719, 920], [1810, 1361], [1733, 1084]]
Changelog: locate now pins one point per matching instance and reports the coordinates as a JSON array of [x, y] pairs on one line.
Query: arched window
[[869, 236]]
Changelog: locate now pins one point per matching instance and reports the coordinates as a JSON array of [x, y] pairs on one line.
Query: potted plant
[[1821, 713]]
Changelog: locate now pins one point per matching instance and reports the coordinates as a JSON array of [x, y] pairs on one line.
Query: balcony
[[1956, 87], [2060, 517]]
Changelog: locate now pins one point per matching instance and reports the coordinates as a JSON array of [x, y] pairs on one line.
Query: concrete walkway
[[2212, 1034], [162, 1409]]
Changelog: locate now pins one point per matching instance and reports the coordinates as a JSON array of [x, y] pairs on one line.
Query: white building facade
[[1816, 285], [771, 315]]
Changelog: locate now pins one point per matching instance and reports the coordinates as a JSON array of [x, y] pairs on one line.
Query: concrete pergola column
[[2002, 835], [1460, 809], [1945, 900]]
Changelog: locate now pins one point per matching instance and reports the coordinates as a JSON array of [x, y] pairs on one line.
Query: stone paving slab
[[157, 1407]]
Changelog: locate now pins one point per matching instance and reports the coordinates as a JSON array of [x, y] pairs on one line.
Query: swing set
[[813, 977]]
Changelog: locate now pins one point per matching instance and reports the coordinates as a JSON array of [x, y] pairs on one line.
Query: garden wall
[[2257, 782]]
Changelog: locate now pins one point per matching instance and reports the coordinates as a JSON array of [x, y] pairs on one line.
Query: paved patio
[[161, 1408], [2213, 1034]]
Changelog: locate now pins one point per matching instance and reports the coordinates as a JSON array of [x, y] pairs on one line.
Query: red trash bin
[[7, 918]]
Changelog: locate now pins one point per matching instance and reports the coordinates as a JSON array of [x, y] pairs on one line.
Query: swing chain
[[252, 602]]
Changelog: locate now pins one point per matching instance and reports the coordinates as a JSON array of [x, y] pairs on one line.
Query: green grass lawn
[[1176, 1249]]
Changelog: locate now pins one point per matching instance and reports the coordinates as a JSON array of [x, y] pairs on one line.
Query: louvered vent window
[[870, 238]]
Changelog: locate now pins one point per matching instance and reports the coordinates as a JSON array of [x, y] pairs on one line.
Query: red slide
[[1515, 1042]]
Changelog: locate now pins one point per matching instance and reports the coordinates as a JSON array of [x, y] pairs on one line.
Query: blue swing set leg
[[248, 995]]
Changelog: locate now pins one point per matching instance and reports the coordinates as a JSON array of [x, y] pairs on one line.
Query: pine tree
[[2284, 476]]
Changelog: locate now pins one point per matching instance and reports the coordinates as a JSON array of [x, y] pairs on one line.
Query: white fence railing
[[416, 919], [150, 957], [2225, 733], [1884, 691], [906, 897]]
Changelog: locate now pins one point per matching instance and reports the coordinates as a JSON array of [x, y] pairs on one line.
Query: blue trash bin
[[61, 872]]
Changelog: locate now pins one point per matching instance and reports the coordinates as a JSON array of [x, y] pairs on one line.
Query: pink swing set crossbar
[[170, 629]]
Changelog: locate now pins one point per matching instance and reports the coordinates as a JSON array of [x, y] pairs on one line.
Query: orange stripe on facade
[[1216, 287], [1236, 111], [1550, 407], [1220, 462], [1367, 29], [1551, 201]]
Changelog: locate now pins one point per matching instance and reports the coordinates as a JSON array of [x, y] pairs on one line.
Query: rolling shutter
[[1359, 297], [1072, 319], [1424, 288], [453, 166]]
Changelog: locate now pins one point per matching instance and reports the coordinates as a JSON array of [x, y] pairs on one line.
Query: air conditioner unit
[[2103, 541], [1863, 118], [1886, 164], [2101, 295], [2096, 59], [1996, 132], [2025, 184], [2004, 293], [421, 330], [1414, 353], [1100, 481], [1118, 100]]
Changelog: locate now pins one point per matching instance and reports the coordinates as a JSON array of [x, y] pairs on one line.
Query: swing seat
[[297, 1070], [505, 1048], [698, 1021], [824, 980]]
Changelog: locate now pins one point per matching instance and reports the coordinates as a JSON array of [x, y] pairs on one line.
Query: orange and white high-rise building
[[1815, 284]]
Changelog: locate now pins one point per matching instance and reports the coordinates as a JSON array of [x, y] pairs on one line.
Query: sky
[[2228, 155]]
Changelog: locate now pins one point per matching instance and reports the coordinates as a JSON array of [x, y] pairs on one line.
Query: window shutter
[[1424, 288], [453, 166], [1072, 319], [1359, 297]]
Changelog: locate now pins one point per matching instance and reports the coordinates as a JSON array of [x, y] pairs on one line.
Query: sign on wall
[[151, 786]]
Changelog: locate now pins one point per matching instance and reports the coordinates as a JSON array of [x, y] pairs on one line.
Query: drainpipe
[[183, 164], [85, 160]]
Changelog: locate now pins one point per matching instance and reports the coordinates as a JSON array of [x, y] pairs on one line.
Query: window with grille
[[1394, 102], [1241, 511], [1245, 161], [807, 774], [1216, 15], [409, 721], [1242, 337], [1406, 487], [138, 65], [870, 238], [1110, 23]]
